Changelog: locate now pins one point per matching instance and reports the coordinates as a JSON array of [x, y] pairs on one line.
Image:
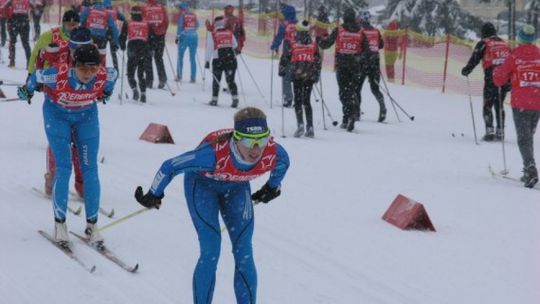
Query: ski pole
[[10, 99], [241, 85], [251, 75], [172, 68], [334, 122], [120, 96], [394, 101], [202, 71], [282, 116], [501, 121], [11, 84], [391, 102], [118, 221], [271, 77], [472, 112], [322, 105]]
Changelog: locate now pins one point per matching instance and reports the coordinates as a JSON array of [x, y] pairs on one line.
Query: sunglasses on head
[[87, 68], [250, 140]]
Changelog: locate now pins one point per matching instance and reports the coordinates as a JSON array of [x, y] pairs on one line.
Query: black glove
[[123, 47], [237, 51], [207, 65], [148, 200], [106, 96], [25, 94], [466, 71], [266, 194], [176, 41]]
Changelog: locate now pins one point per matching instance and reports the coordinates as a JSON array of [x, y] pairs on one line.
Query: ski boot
[[61, 233], [350, 124], [287, 103], [310, 132], [94, 237], [499, 135], [382, 114], [490, 134], [234, 102], [161, 85], [11, 63], [530, 176], [143, 97], [300, 131], [135, 94], [213, 101]]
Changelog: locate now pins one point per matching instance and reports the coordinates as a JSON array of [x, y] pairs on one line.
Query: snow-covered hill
[[322, 241]]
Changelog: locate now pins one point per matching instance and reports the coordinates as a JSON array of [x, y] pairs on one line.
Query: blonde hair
[[249, 112]]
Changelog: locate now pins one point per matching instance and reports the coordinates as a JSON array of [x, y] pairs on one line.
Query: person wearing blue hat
[[522, 68], [217, 180], [285, 34], [187, 37], [101, 23]]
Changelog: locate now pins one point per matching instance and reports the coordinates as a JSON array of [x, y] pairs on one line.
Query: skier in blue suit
[[70, 113], [217, 175], [187, 37], [100, 21], [286, 34]]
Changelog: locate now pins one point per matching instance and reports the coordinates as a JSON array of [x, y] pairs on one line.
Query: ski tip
[[78, 211], [135, 268]]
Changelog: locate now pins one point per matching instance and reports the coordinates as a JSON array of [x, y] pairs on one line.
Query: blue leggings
[[206, 199], [59, 124], [191, 43]]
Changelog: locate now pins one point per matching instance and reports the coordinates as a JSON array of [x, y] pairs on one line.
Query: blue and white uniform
[[209, 190], [60, 121], [187, 36]]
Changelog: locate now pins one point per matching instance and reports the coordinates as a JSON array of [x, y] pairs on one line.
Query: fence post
[[405, 43], [446, 61]]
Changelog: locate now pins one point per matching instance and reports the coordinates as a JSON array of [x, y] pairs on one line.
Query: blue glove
[[25, 94]]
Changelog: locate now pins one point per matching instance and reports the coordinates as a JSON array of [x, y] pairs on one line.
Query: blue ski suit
[[187, 38], [100, 35], [62, 125], [285, 71], [206, 198]]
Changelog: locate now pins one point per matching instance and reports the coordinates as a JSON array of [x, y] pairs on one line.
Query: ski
[[107, 254], [74, 196], [42, 194], [515, 179], [67, 251]]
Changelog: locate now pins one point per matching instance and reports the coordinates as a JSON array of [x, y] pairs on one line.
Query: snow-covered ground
[[322, 241]]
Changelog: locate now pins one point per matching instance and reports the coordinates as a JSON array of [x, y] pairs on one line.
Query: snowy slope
[[322, 241]]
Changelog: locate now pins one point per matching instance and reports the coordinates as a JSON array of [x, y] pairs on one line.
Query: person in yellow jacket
[[58, 36]]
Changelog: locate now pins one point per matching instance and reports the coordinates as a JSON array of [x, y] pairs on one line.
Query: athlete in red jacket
[[522, 67]]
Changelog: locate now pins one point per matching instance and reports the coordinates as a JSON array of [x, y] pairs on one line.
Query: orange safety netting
[[420, 60]]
